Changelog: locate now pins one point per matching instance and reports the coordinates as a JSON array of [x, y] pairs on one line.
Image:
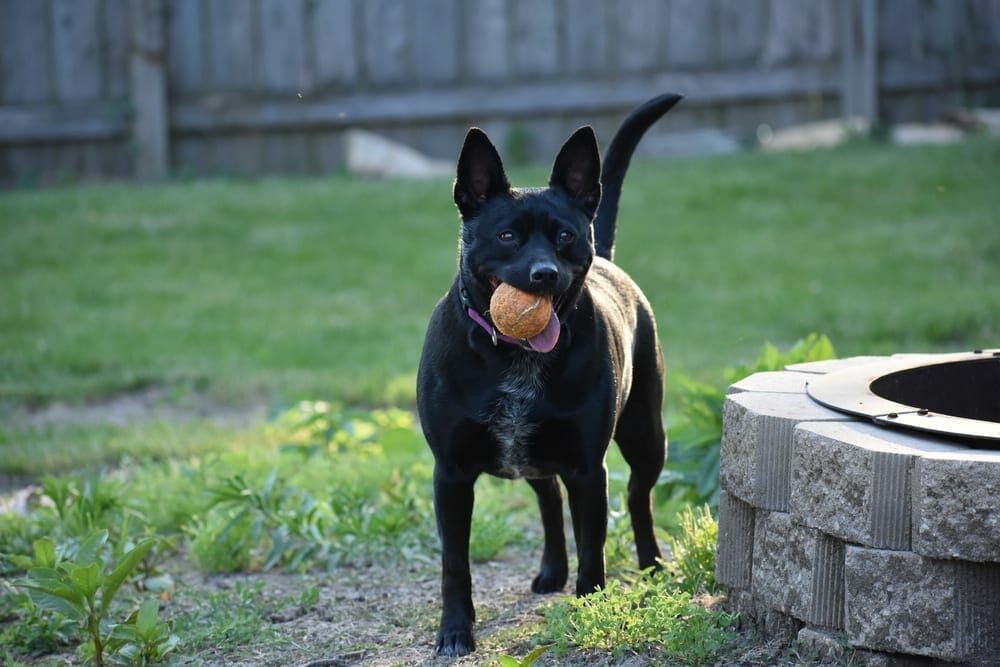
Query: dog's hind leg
[[642, 441], [555, 569]]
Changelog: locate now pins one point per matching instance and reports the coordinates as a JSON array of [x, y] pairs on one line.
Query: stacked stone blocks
[[830, 524]]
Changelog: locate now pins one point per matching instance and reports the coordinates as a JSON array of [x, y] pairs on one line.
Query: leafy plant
[[74, 581], [490, 534], [526, 661], [82, 505], [691, 474], [32, 631], [644, 614], [142, 639], [692, 567]]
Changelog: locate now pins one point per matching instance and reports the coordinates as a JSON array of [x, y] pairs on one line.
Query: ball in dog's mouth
[[525, 316]]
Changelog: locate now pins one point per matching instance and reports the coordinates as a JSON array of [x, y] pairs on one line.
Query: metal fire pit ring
[[955, 408]]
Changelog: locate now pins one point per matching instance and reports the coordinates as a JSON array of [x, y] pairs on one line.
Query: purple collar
[[491, 330]]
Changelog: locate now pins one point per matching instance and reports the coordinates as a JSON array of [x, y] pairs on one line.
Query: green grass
[[280, 289]]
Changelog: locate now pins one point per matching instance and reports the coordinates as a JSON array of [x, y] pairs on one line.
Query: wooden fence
[[148, 88]]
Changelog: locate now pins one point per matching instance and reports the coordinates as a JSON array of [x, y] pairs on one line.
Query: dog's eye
[[506, 236], [566, 236]]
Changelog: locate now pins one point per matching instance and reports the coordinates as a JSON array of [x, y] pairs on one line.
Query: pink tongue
[[545, 341]]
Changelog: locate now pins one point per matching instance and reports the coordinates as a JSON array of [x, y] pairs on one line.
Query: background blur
[[149, 88]]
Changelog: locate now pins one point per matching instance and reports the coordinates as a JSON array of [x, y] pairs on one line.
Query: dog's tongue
[[545, 341]]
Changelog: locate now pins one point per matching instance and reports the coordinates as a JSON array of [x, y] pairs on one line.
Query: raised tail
[[616, 164]]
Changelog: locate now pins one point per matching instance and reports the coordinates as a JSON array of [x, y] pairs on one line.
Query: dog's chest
[[510, 421]]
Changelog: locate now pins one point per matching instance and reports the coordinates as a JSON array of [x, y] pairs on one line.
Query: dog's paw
[[455, 642], [550, 580]]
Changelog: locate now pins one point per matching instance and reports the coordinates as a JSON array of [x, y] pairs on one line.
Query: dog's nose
[[544, 273]]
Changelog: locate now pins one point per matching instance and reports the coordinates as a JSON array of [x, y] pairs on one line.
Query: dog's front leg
[[453, 499], [588, 506]]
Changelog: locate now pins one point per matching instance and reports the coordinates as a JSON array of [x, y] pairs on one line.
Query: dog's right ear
[[480, 174]]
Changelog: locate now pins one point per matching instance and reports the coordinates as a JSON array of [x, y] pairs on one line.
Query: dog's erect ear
[[577, 169], [480, 174]]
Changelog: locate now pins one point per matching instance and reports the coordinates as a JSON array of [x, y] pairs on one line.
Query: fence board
[[80, 122], [331, 24], [516, 100], [690, 35], [185, 52], [77, 53], [114, 41], [434, 40], [535, 38], [738, 30], [231, 46], [585, 36], [24, 29], [282, 52], [386, 41], [641, 25], [486, 52]]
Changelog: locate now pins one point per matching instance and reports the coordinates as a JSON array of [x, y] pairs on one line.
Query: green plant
[[75, 581], [692, 567], [226, 619], [490, 534], [646, 614], [526, 661], [30, 630], [142, 639], [82, 505], [691, 474]]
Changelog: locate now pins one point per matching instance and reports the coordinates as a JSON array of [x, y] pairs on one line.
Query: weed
[[226, 619], [142, 639], [526, 661], [32, 631], [645, 614], [490, 534], [75, 581], [693, 564]]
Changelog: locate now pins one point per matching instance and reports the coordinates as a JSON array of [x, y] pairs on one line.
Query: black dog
[[546, 407]]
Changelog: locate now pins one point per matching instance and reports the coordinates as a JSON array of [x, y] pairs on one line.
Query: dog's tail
[[616, 164]]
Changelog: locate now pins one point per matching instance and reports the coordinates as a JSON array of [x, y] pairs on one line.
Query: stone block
[[822, 647], [899, 602], [757, 444], [956, 506], [849, 479], [977, 612], [734, 558], [797, 570], [780, 382]]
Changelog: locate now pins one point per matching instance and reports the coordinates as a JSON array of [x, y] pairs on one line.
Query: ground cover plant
[[163, 349]]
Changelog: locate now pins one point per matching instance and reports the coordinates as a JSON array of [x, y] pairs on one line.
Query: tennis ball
[[519, 314]]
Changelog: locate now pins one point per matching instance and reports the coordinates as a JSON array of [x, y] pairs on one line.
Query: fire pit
[[838, 526], [955, 395]]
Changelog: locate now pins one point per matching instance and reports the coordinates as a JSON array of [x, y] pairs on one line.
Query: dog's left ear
[[577, 169]]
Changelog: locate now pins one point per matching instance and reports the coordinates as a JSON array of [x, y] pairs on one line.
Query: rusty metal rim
[[849, 390]]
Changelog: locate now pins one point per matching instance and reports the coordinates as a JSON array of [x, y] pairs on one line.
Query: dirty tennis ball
[[519, 314]]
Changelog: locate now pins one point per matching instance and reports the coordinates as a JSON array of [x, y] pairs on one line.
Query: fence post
[[859, 59], [148, 86]]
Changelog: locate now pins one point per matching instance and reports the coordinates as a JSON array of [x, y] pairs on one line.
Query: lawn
[[281, 289], [157, 343]]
